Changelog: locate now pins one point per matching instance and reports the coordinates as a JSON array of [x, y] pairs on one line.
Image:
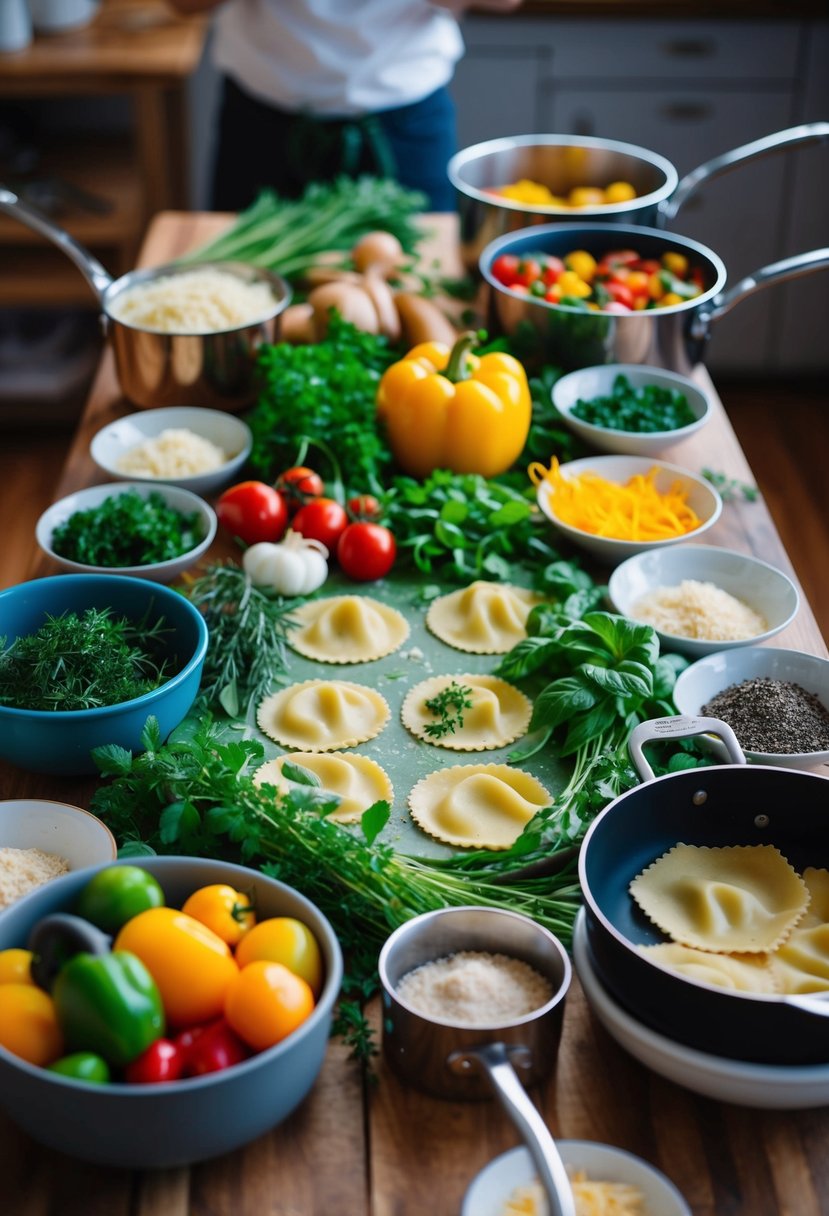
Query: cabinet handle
[[690, 48], [687, 111]]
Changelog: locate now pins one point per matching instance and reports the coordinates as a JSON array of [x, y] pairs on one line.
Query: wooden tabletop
[[367, 1146]]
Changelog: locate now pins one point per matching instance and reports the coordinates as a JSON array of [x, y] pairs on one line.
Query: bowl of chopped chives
[[630, 409], [617, 506], [88, 660], [135, 528], [701, 599]]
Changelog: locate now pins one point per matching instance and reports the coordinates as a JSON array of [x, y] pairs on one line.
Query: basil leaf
[[374, 819], [299, 775], [560, 701], [581, 730]]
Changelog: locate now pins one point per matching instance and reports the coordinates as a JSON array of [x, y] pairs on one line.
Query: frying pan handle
[[777, 272], [493, 1058], [725, 741], [89, 266], [809, 1004], [806, 133]]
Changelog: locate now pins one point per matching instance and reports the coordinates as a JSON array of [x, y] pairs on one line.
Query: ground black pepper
[[773, 716]]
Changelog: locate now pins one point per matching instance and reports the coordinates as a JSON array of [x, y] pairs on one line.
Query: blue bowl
[[179, 1122], [47, 741]]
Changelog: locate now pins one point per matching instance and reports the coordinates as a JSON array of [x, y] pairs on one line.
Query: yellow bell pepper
[[445, 409]]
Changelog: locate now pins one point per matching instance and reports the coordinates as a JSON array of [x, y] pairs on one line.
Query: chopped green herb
[[448, 706], [642, 410], [730, 488], [126, 529], [82, 662]]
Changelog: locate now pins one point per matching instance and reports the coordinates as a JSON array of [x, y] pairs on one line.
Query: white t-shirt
[[337, 57]]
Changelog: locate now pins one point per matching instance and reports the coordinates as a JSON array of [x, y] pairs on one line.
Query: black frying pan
[[732, 804]]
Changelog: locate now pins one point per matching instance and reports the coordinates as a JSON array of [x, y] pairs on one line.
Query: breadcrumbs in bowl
[[41, 840]]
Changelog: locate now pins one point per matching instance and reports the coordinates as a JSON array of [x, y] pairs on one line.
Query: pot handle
[[814, 1004], [806, 133], [89, 266], [724, 742], [493, 1058], [777, 272]]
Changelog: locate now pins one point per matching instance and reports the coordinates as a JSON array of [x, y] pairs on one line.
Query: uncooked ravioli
[[323, 715], [743, 898], [347, 629], [498, 713], [358, 781], [740, 973], [801, 963], [483, 618], [485, 806]]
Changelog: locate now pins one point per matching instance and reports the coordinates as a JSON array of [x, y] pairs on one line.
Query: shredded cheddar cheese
[[592, 1198], [635, 510]]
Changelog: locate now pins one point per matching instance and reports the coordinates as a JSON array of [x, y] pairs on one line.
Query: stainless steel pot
[[564, 161], [215, 370], [729, 804], [673, 337], [449, 1060]]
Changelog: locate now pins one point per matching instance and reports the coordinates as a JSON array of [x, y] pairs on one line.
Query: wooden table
[[363, 1147]]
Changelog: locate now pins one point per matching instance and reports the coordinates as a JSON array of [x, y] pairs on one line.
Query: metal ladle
[[463, 1062]]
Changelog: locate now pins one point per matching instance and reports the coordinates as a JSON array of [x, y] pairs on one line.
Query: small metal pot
[[462, 1062], [673, 337], [214, 370], [564, 161]]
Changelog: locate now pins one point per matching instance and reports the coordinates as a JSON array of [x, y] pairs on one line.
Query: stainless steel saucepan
[[215, 370]]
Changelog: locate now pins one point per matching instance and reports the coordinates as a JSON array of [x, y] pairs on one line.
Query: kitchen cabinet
[[689, 90]]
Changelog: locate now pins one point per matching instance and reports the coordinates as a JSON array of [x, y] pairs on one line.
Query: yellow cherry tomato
[[586, 196], [570, 284], [619, 192], [29, 1024], [15, 967], [677, 263], [581, 263], [671, 297], [638, 281], [266, 1002], [282, 939], [226, 911], [656, 288], [191, 965]]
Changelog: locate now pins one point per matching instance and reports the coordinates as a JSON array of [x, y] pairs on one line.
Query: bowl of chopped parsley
[[89, 661], [631, 409], [147, 531]]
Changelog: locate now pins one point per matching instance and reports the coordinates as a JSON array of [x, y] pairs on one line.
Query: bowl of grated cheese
[[40, 840], [202, 450], [701, 599]]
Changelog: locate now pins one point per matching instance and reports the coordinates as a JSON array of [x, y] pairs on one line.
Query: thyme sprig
[[449, 706]]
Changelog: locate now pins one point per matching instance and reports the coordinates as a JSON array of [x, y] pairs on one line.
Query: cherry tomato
[[620, 292], [553, 270], [298, 485], [283, 939], [29, 1024], [224, 910], [323, 520], [214, 1048], [528, 271], [366, 551], [83, 1066], [253, 511], [117, 893], [163, 1060], [16, 966], [364, 506], [266, 1002], [504, 268]]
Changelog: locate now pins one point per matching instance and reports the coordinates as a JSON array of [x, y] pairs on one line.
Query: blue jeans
[[262, 146]]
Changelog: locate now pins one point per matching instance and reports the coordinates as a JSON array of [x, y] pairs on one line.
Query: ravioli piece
[[483, 618], [741, 898], [483, 806], [737, 972], [817, 882], [801, 963], [323, 715], [358, 780], [497, 715], [347, 629]]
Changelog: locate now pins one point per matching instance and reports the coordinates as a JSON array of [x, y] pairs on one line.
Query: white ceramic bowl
[[762, 587], [160, 572], [491, 1188], [766, 1086], [702, 497], [591, 382], [56, 827], [716, 672], [228, 432]]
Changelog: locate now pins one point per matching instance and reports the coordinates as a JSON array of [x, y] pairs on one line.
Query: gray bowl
[[179, 1122]]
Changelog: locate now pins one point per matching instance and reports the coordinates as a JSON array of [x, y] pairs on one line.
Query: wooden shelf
[[42, 278]]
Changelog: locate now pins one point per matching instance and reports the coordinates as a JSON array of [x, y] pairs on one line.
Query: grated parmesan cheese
[[593, 1198], [21, 870], [473, 988], [198, 302], [699, 610], [176, 452]]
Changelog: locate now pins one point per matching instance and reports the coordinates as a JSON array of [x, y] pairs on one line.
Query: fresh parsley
[[126, 529], [730, 488]]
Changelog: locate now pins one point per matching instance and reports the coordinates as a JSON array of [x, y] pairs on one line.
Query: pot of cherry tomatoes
[[588, 294]]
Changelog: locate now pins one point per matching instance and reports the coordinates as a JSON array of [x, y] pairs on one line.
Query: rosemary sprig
[[449, 706]]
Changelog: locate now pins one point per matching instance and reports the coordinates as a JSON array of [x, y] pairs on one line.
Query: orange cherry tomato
[[266, 1002], [228, 912], [29, 1024], [191, 965], [282, 939], [15, 966]]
